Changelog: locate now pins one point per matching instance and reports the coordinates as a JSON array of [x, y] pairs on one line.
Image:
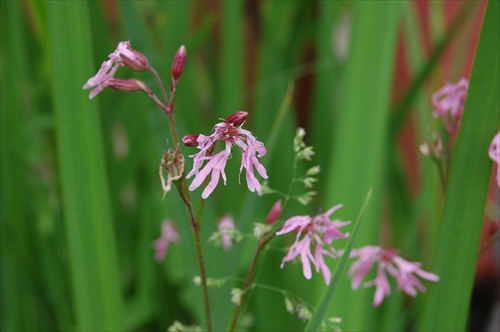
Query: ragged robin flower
[[124, 55], [388, 261], [168, 234], [318, 231], [448, 103], [230, 132], [226, 227]]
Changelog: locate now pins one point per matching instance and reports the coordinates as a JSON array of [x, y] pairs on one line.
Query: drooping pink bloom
[[168, 234], [318, 231], [494, 153], [124, 55], [230, 132], [448, 103], [388, 261], [226, 227]]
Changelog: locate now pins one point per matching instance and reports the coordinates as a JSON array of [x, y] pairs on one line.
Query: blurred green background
[[80, 194]]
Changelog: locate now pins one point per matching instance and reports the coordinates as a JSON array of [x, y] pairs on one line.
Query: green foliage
[[462, 216], [87, 210], [81, 198]]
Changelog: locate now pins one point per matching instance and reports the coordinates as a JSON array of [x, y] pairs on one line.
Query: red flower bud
[[178, 63], [237, 118], [190, 140], [274, 213]]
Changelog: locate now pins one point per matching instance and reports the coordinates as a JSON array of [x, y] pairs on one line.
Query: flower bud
[[131, 85], [237, 118], [135, 60], [274, 213], [178, 63], [190, 140]]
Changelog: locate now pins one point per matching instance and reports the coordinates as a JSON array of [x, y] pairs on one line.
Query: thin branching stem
[[183, 190], [160, 84], [246, 285]]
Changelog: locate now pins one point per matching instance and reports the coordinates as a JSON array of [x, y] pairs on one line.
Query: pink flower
[[319, 231], [403, 271], [226, 227], [494, 153], [449, 102], [230, 134], [168, 234], [124, 55]]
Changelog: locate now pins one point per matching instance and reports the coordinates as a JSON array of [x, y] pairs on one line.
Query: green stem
[[248, 278], [160, 84], [182, 188], [204, 287], [195, 226]]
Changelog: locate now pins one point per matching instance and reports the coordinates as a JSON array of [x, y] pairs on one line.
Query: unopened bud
[[237, 118], [135, 60], [128, 85], [274, 213], [298, 141], [190, 140], [178, 63]]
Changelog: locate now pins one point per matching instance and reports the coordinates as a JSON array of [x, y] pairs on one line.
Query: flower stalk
[[173, 161]]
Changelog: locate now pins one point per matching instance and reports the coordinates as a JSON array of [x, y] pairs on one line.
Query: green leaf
[[359, 138], [326, 300], [87, 212], [462, 217]]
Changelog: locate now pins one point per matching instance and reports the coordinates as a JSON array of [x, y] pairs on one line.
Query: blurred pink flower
[[168, 234], [494, 153], [226, 227], [124, 55], [449, 102], [403, 271], [274, 213], [319, 231], [231, 134]]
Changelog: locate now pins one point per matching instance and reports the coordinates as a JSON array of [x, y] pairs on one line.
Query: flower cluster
[[494, 153], [124, 55], [230, 132], [319, 231], [168, 234], [388, 261], [448, 103]]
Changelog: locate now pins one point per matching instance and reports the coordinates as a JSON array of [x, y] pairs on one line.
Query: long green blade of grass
[[458, 240], [96, 282], [319, 314], [359, 139], [16, 230]]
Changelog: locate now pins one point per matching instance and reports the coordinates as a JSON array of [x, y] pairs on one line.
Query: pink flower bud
[[178, 63], [128, 85], [274, 213], [237, 118], [190, 140], [137, 62]]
